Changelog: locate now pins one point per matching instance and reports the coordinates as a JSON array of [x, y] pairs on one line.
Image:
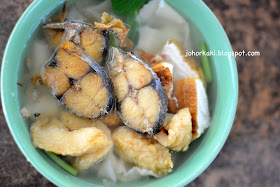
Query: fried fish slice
[[92, 42], [56, 80], [88, 97], [176, 133], [142, 151], [80, 83], [51, 135], [142, 102]]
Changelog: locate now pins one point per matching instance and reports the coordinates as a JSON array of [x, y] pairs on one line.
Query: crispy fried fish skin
[[51, 135], [84, 161], [142, 151], [176, 133], [142, 101]]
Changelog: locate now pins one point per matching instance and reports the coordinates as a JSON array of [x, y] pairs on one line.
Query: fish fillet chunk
[[86, 160], [142, 151], [142, 101], [176, 133], [52, 135]]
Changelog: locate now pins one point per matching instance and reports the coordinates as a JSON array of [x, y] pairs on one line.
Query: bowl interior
[[222, 95]]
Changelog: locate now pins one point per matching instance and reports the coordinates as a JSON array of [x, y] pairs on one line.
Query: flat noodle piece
[[51, 135], [176, 133], [185, 67], [142, 151]]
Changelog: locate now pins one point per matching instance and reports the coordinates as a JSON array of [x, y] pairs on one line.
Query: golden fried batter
[[51, 135], [73, 122], [142, 151], [176, 133], [116, 26], [86, 160]]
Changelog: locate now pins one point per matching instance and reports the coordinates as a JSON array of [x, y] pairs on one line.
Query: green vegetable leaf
[[133, 33], [205, 63], [127, 7], [129, 10], [61, 163]]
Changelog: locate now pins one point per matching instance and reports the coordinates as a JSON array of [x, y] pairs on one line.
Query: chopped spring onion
[[113, 41], [61, 163], [205, 63]]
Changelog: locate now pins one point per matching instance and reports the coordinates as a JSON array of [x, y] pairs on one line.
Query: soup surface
[[162, 36]]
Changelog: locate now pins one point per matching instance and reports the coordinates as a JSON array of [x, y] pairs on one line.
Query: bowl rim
[[204, 19]]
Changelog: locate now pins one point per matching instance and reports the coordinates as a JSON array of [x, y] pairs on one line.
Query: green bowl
[[222, 94]]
